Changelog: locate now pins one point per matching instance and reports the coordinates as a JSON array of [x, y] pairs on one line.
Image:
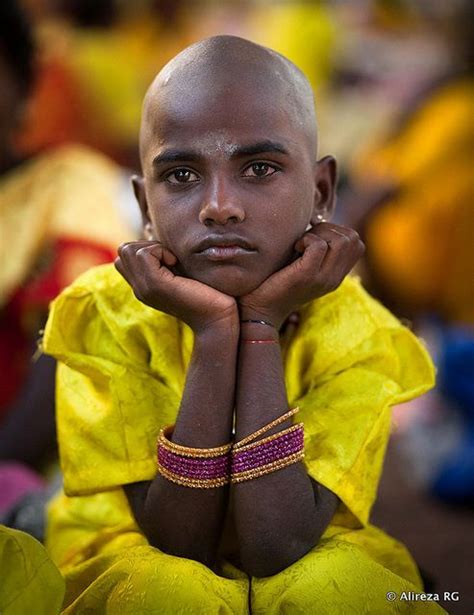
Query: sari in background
[[59, 216]]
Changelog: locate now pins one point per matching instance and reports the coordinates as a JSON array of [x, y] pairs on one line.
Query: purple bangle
[[268, 452], [271, 453], [217, 467], [196, 468]]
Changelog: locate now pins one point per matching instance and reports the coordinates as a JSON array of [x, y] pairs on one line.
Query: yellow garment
[[68, 193], [303, 32], [29, 581], [420, 242], [120, 379]]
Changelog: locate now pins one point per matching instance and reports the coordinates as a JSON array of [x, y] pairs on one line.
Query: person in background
[[413, 195], [95, 61], [58, 217]]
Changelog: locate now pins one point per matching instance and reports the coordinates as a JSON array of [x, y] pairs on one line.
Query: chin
[[231, 281]]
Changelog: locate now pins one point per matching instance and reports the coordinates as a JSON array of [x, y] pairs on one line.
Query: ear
[[325, 194], [138, 185]]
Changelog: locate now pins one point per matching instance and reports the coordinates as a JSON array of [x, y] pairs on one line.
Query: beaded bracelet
[[201, 468], [268, 455]]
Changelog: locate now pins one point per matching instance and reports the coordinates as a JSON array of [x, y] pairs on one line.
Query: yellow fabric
[[29, 581], [305, 33], [120, 379], [420, 242], [68, 193]]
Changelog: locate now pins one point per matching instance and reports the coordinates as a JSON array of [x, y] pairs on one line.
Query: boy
[[233, 203]]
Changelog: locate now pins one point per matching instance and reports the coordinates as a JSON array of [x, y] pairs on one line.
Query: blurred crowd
[[394, 89]]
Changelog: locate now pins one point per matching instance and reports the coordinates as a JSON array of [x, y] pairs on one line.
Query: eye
[[260, 169], [181, 176]]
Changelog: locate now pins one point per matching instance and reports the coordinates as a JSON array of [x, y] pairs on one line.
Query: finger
[[130, 246], [127, 258], [151, 264], [327, 231], [120, 268], [314, 252], [302, 271], [344, 250], [165, 255], [129, 249]]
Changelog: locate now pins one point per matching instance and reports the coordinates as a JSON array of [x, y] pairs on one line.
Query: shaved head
[[228, 147], [222, 67]]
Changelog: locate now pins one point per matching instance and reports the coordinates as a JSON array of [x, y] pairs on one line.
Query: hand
[[145, 265], [328, 253]]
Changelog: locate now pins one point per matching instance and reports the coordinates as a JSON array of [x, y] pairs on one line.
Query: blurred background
[[394, 89]]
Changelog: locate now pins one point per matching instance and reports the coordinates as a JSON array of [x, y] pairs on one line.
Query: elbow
[[203, 555], [266, 560]]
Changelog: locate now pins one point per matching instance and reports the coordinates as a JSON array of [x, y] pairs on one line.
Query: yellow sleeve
[[345, 404], [112, 398]]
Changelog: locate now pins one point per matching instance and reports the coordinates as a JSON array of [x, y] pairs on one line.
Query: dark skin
[[231, 199]]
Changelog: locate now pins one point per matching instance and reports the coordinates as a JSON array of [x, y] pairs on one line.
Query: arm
[[281, 516], [178, 520]]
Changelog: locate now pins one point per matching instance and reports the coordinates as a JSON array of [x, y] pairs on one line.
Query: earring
[[148, 232], [320, 218]]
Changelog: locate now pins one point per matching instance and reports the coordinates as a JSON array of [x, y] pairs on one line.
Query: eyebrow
[[175, 155], [262, 147]]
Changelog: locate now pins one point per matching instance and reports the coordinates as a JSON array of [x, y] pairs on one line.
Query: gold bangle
[[265, 428], [274, 436], [192, 482], [188, 451], [267, 469]]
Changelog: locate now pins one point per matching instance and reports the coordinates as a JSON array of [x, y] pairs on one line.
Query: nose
[[220, 205]]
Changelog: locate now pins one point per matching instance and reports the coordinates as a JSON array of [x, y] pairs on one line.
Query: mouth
[[224, 247]]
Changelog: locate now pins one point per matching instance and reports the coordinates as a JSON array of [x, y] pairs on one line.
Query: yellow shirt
[[120, 379]]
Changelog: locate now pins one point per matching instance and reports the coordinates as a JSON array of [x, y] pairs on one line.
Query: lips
[[224, 241], [224, 247]]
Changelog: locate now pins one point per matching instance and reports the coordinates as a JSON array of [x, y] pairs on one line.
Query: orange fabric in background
[[420, 243]]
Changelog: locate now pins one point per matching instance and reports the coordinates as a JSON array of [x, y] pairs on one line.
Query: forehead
[[219, 116]]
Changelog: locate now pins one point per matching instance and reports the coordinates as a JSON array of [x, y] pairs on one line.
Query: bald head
[[220, 70]]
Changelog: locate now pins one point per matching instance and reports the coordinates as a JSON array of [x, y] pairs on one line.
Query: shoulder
[[348, 315], [80, 159], [347, 329]]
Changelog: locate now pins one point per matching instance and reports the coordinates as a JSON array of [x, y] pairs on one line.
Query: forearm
[[185, 521], [276, 514]]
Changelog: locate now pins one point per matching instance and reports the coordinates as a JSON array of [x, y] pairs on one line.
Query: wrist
[[251, 313], [215, 332], [257, 331]]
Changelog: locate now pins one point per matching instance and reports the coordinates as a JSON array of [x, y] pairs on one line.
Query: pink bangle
[[192, 467], [268, 455]]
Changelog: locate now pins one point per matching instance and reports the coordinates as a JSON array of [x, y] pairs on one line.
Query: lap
[[346, 573], [142, 579]]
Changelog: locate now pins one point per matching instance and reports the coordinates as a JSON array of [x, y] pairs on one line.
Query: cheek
[[165, 225]]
